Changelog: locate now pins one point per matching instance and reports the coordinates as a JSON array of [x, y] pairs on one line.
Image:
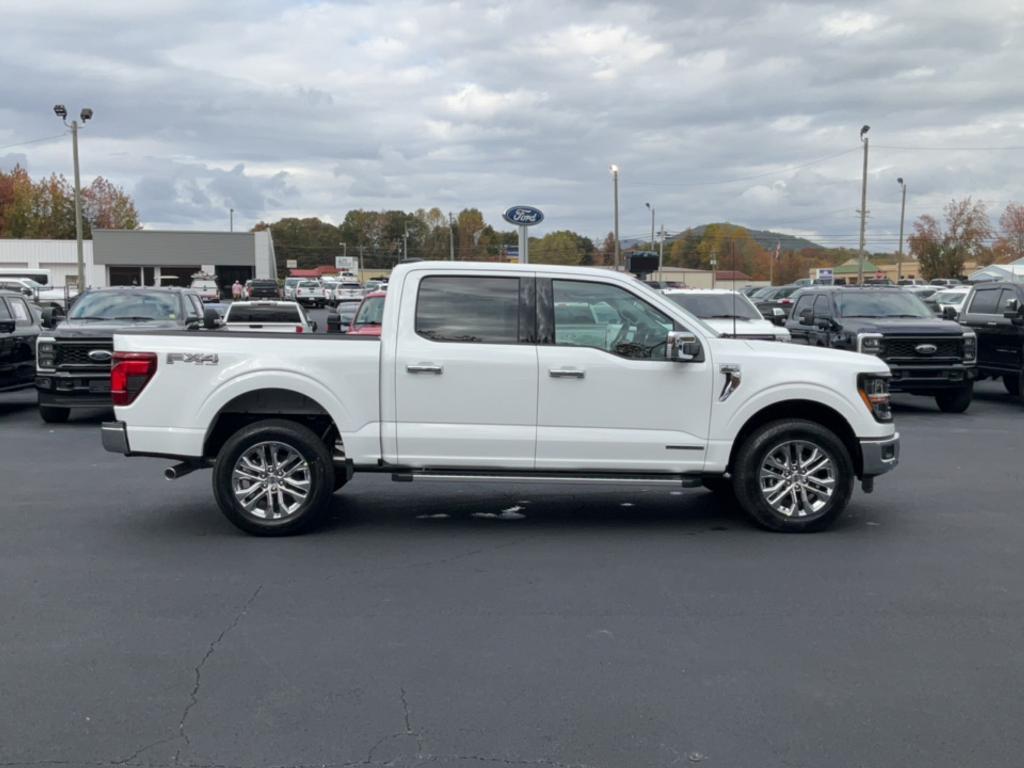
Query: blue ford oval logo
[[523, 215], [101, 356]]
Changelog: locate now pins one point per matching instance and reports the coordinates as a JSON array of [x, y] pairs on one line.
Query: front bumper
[[879, 456], [115, 437], [916, 377], [82, 390]]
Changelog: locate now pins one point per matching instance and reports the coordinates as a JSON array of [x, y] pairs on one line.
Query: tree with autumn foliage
[[942, 251], [45, 209], [1009, 246]]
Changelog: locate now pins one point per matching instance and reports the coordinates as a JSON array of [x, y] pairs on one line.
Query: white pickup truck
[[475, 376]]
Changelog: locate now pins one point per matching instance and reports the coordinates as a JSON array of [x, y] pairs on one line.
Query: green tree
[[561, 247]]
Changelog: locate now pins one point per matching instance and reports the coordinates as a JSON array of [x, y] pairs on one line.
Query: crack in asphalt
[[194, 695]]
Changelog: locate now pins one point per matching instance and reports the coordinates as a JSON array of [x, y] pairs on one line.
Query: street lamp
[[85, 116], [903, 210], [651, 209], [615, 189], [863, 204]]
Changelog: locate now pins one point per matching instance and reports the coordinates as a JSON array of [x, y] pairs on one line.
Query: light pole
[[651, 209], [863, 204], [85, 115], [231, 219], [451, 237], [615, 192], [661, 251], [903, 210]]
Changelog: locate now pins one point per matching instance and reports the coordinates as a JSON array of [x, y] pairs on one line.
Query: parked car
[[369, 317], [267, 317], [327, 285], [289, 287], [730, 313], [205, 288], [927, 355], [906, 281], [474, 375], [44, 295], [262, 289], [995, 312], [346, 310], [309, 293], [347, 290], [73, 357], [944, 282], [776, 303], [19, 329], [952, 298], [922, 292]]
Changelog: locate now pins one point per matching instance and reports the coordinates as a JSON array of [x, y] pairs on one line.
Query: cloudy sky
[[713, 109]]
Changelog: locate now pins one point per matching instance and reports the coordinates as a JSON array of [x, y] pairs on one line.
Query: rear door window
[[478, 310], [822, 306]]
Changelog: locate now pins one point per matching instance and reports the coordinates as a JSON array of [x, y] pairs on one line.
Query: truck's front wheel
[[793, 476], [273, 478], [955, 400]]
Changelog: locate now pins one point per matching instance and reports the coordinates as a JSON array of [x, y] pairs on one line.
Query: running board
[[638, 478]]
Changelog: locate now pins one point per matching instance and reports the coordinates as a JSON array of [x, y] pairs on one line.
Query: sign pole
[[524, 244]]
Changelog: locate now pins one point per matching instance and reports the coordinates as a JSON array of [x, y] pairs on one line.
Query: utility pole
[[661, 252], [615, 192], [903, 210], [863, 205], [451, 237], [231, 219], [714, 269], [405, 242], [651, 207], [86, 115], [359, 257]]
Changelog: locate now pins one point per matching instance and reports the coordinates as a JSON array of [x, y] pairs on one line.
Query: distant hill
[[765, 238]]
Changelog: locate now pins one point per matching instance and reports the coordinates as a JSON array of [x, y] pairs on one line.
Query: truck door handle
[[425, 368], [567, 373], [992, 322]]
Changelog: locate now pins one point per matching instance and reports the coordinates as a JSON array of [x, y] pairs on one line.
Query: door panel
[[599, 409], [465, 388]]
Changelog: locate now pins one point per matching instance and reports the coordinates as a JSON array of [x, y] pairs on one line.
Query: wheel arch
[[806, 410]]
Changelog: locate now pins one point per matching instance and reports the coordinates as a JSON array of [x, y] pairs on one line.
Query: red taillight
[[785, 301], [299, 329], [129, 375]]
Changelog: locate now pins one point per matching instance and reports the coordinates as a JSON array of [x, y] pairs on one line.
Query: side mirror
[[211, 319], [824, 323], [681, 347], [948, 313], [807, 316], [28, 292], [1013, 309], [48, 319], [6, 326]]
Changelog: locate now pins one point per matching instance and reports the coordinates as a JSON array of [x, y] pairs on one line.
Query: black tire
[[1012, 383], [955, 400], [52, 414], [320, 474], [755, 451]]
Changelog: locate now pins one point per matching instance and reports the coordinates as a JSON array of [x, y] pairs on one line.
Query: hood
[[797, 357], [745, 327], [93, 328], [904, 326]]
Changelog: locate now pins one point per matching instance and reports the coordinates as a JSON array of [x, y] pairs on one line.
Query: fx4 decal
[[196, 358]]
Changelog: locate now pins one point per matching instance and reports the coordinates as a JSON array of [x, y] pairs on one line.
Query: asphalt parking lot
[[479, 625]]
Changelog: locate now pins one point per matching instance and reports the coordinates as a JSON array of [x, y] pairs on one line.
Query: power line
[[32, 141], [1012, 148]]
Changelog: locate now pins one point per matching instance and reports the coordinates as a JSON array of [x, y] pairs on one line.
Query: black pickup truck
[[927, 355], [995, 312], [73, 356], [19, 327]]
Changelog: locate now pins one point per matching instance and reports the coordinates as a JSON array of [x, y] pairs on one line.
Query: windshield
[[370, 313], [949, 297], [710, 306], [856, 303], [127, 305]]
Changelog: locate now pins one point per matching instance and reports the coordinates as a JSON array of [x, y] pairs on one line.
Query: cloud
[[316, 108]]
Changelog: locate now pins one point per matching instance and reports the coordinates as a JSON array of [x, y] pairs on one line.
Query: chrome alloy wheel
[[271, 480], [797, 479]]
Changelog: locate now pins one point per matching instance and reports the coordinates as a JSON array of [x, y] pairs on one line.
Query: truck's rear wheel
[[793, 476], [955, 400], [273, 478]]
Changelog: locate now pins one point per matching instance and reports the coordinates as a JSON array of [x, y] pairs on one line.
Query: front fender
[[860, 421]]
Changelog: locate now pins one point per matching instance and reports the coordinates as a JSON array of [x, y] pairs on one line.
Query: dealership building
[[146, 257]]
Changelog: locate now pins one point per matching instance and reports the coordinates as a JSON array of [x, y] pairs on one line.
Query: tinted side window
[[481, 310], [5, 313], [804, 302], [985, 301], [822, 306], [20, 311]]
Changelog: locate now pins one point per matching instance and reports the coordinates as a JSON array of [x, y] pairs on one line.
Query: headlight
[[46, 353], [970, 347], [869, 343], [874, 391]]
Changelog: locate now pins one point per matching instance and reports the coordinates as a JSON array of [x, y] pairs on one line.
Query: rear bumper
[[115, 437], [879, 456]]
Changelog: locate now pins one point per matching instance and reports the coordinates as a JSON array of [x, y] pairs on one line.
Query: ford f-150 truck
[[475, 376]]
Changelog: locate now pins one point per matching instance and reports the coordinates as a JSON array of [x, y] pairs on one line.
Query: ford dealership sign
[[523, 215]]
